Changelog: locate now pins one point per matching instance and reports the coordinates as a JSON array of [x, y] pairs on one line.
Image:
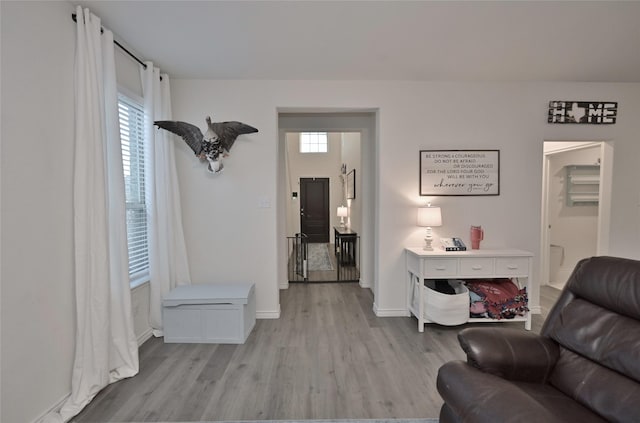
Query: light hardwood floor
[[327, 357]]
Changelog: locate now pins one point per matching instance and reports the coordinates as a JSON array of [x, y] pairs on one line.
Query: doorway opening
[[316, 231], [576, 203], [344, 125]]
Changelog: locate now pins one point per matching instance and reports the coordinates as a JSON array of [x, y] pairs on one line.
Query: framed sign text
[[460, 172]]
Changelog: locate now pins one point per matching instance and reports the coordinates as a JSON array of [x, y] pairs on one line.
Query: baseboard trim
[[141, 339], [144, 336], [268, 314], [390, 312], [53, 409]]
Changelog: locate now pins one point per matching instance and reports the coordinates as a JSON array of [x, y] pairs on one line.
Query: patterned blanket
[[501, 298]]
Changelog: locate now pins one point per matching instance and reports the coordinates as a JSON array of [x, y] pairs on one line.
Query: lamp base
[[428, 239]]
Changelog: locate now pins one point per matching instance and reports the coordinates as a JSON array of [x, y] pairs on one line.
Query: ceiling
[[590, 41]]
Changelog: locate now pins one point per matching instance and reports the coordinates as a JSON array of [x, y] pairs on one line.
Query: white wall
[[226, 223], [574, 228], [38, 314], [305, 165], [412, 116], [351, 156]]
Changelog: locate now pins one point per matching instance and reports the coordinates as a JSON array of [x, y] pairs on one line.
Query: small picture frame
[[351, 185]]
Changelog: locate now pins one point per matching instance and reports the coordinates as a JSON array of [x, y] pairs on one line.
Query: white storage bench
[[209, 313]]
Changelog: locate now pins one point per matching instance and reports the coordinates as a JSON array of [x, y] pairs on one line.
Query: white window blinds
[[133, 160]]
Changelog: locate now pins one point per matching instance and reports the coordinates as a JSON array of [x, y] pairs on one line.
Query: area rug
[[318, 257]]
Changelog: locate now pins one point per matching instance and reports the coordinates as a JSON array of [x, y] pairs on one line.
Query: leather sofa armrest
[[473, 396], [510, 353]]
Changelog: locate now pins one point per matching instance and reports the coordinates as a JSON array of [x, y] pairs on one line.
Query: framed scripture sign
[[459, 172]]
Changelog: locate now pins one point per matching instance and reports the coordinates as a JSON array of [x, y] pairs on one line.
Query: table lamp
[[342, 213], [428, 217]]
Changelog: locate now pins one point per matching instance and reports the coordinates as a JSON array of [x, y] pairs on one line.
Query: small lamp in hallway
[[427, 217], [342, 213]]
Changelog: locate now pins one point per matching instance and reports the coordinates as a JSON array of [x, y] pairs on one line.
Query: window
[[313, 142], [131, 116]]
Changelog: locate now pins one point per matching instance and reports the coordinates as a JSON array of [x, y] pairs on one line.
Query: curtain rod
[[133, 56]]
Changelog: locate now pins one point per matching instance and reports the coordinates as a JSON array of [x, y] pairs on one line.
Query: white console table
[[470, 264]]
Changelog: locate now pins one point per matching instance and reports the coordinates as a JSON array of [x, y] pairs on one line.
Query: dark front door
[[314, 208]]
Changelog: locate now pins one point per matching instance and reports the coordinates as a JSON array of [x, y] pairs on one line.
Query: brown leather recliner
[[583, 367]]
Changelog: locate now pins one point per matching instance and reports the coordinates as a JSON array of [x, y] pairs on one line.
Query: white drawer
[[441, 268], [512, 266], [476, 267]]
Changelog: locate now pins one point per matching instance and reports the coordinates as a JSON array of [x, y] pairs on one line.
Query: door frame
[[366, 121], [604, 202]]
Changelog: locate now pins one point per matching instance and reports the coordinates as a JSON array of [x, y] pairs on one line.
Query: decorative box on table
[[209, 313]]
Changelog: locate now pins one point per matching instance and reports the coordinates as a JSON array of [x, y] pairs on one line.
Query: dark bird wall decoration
[[214, 145]]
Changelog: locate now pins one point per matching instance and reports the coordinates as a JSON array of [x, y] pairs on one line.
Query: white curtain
[[168, 266], [106, 348]]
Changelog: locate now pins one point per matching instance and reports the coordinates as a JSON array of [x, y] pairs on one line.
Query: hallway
[[323, 264]]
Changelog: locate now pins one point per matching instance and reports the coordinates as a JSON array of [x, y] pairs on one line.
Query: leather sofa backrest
[[596, 323]]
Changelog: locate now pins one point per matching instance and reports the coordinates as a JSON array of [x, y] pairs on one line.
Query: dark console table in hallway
[[345, 245]]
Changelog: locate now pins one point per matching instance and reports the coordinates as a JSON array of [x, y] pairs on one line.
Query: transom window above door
[[313, 142]]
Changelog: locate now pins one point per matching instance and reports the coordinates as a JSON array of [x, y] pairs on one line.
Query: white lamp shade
[[342, 211], [429, 216]]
